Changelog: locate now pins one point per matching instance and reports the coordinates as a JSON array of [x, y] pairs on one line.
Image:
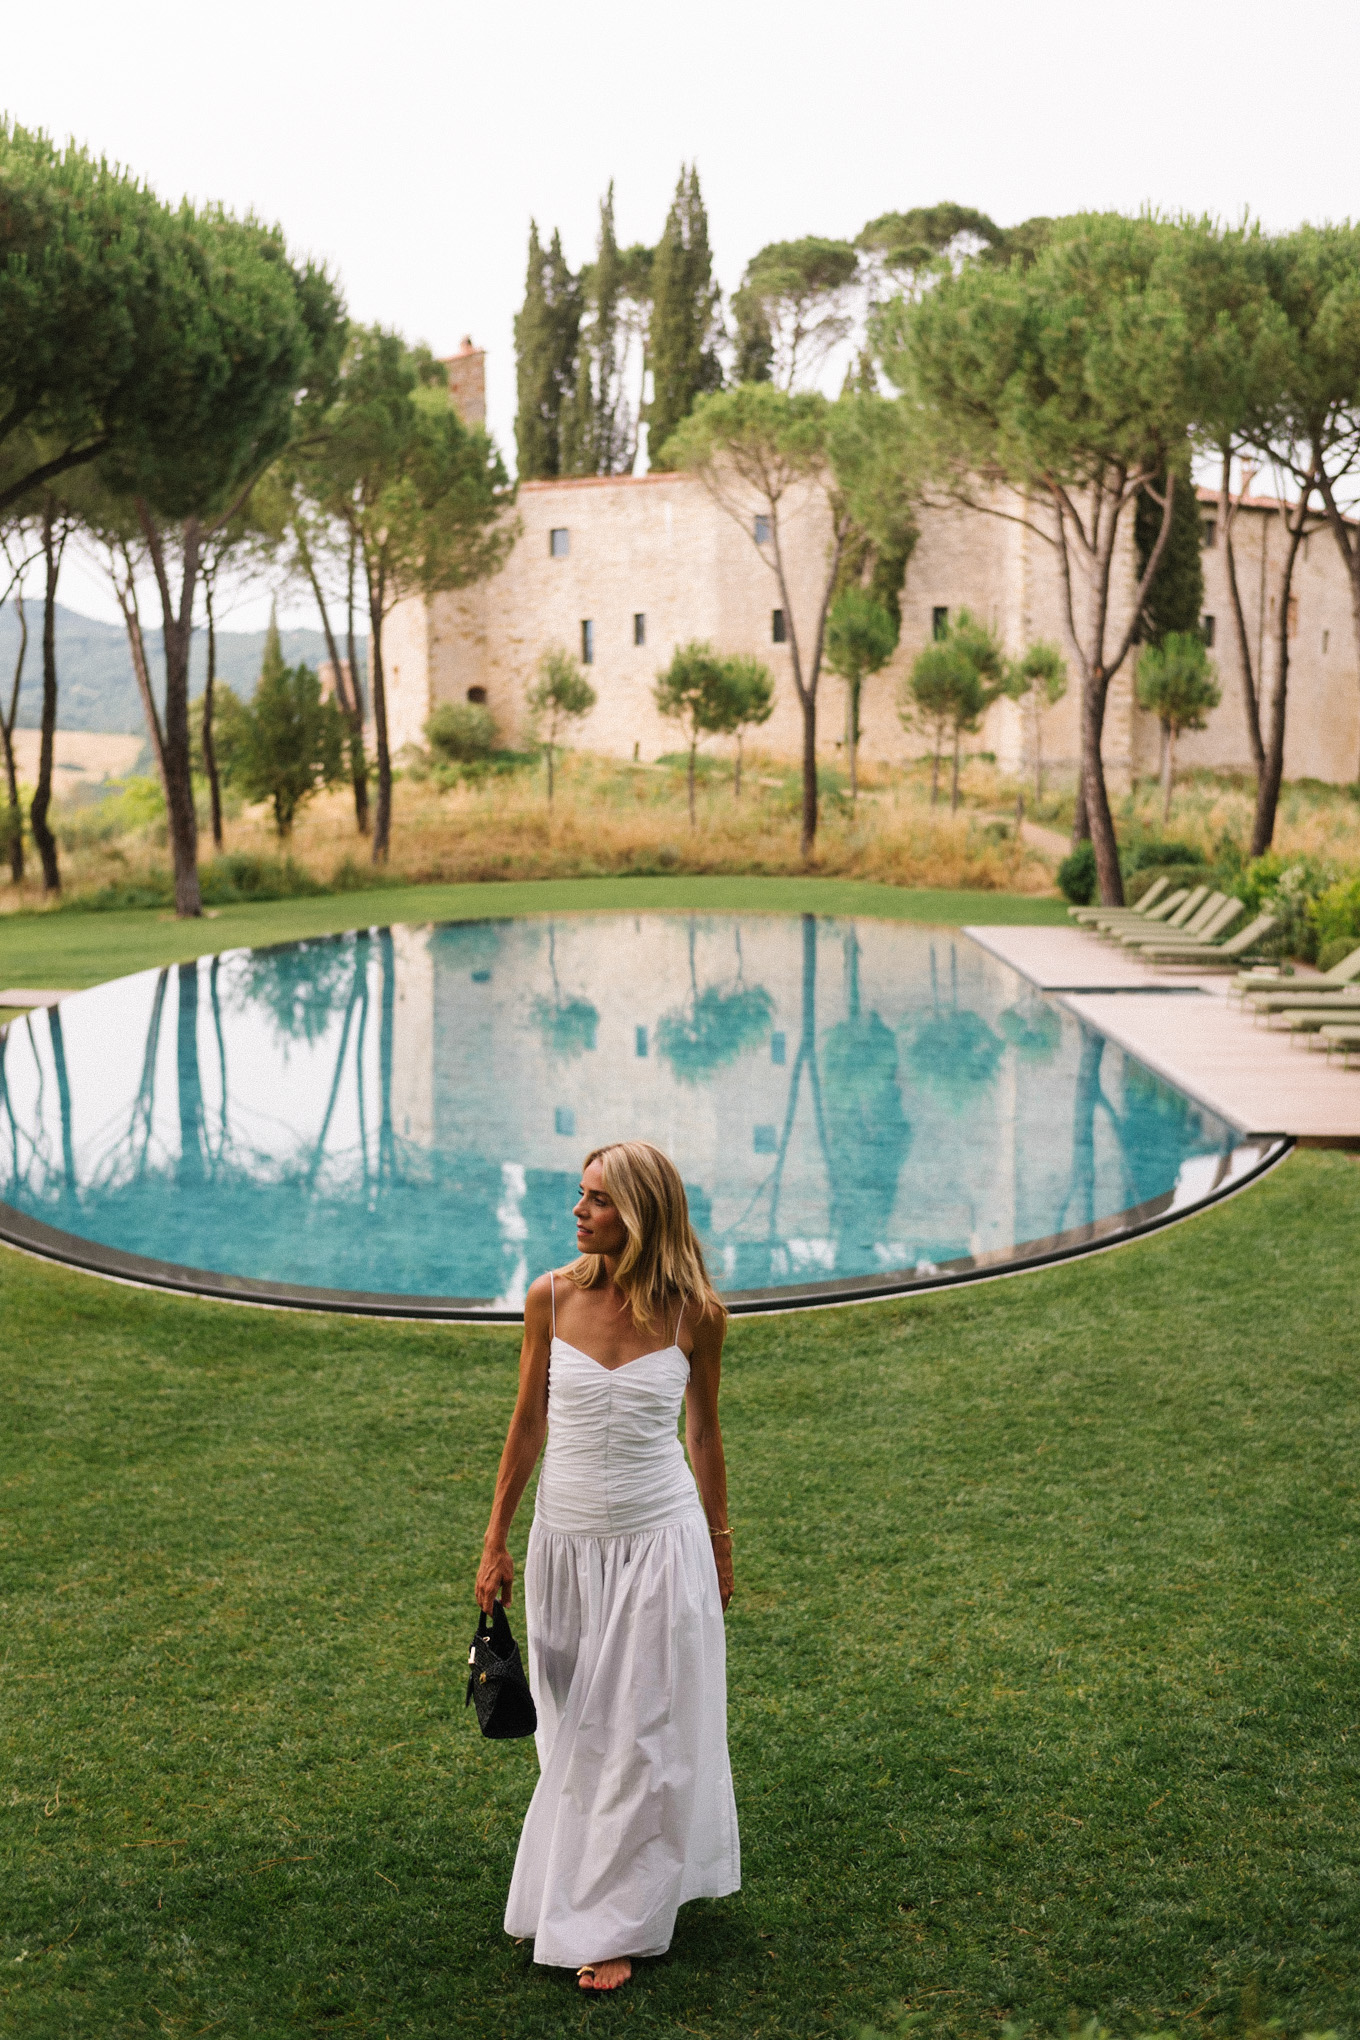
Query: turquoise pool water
[[404, 1111]]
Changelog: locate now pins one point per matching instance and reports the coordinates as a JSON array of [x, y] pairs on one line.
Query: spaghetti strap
[[552, 1291], [679, 1321]]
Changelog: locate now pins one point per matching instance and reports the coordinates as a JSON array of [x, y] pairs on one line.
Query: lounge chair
[[1309, 1020], [1176, 917], [1220, 918], [1210, 956], [1347, 1039], [1340, 1000], [1341, 979], [1110, 918], [1200, 927], [1142, 906]]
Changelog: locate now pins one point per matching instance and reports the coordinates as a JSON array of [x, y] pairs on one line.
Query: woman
[[627, 1577]]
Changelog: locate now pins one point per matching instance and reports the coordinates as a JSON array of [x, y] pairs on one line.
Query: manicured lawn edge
[[77, 950]]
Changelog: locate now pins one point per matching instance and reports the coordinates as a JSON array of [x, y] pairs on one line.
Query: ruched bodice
[[614, 1462]]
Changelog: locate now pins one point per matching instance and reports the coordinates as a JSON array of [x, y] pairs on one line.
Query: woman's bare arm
[[703, 1438], [523, 1443]]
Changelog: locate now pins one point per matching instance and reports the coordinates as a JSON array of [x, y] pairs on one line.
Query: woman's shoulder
[[538, 1297]]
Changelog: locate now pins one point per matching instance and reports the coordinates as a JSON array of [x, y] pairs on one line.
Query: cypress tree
[[596, 425], [546, 332], [1176, 597], [272, 668], [684, 327]]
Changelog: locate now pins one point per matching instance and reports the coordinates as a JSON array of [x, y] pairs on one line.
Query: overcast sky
[[409, 144]]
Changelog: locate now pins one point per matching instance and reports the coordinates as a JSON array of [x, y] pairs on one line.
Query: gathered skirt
[[633, 1813]]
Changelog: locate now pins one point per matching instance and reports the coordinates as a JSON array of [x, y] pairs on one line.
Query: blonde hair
[[663, 1264]]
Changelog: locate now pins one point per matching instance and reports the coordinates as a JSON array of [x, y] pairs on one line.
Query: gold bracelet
[[719, 1533]]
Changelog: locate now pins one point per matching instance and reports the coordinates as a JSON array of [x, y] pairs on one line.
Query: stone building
[[621, 569]]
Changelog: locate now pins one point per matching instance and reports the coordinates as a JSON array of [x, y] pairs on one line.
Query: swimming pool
[[395, 1118]]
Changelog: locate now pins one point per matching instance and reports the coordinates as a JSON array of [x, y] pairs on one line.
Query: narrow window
[[477, 694], [564, 1119], [1207, 627], [939, 623], [639, 627], [778, 634], [1208, 532], [762, 531], [559, 542], [1292, 616], [1326, 635], [640, 1040], [587, 642], [778, 1049]]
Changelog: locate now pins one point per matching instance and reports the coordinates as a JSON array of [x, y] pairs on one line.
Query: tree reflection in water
[[298, 984], [867, 1134], [715, 1026], [567, 1026]]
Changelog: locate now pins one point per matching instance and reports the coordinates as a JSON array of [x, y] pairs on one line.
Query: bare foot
[[604, 1975]]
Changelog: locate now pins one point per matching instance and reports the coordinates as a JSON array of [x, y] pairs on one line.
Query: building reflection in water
[[405, 1110]]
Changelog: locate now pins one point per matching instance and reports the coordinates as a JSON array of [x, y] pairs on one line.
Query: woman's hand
[[722, 1558], [495, 1575]]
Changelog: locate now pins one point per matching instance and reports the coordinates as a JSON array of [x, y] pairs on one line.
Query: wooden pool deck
[[1260, 1080]]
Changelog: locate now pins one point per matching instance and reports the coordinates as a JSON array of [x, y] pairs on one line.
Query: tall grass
[[606, 819], [611, 818]]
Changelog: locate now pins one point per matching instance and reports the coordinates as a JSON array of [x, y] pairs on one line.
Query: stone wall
[[658, 547]]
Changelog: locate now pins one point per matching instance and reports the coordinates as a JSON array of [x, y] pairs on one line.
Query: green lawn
[[1042, 1661], [77, 949]]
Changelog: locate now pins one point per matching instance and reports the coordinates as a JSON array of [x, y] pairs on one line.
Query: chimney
[[466, 371]]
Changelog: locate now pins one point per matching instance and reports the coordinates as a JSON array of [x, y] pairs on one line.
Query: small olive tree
[[747, 701], [1039, 679], [861, 637], [1178, 683], [691, 692], [559, 697], [950, 687]]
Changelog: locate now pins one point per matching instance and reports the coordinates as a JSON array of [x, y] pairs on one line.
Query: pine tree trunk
[[1268, 786], [808, 835], [935, 773], [177, 636], [1095, 802], [954, 782], [358, 763], [692, 822], [1168, 770], [346, 694], [382, 821], [1081, 827], [209, 754], [852, 738], [14, 822], [42, 798], [736, 795]]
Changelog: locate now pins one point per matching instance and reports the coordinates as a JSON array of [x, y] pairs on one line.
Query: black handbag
[[496, 1681]]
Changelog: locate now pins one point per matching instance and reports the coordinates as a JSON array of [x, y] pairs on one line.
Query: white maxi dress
[[633, 1813]]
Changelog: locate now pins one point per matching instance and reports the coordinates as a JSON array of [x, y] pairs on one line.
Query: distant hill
[[94, 669]]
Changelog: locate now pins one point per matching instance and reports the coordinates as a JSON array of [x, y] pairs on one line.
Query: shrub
[[461, 731], [1176, 876], [1334, 952], [1077, 875], [1289, 888], [1336, 918], [1155, 851]]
